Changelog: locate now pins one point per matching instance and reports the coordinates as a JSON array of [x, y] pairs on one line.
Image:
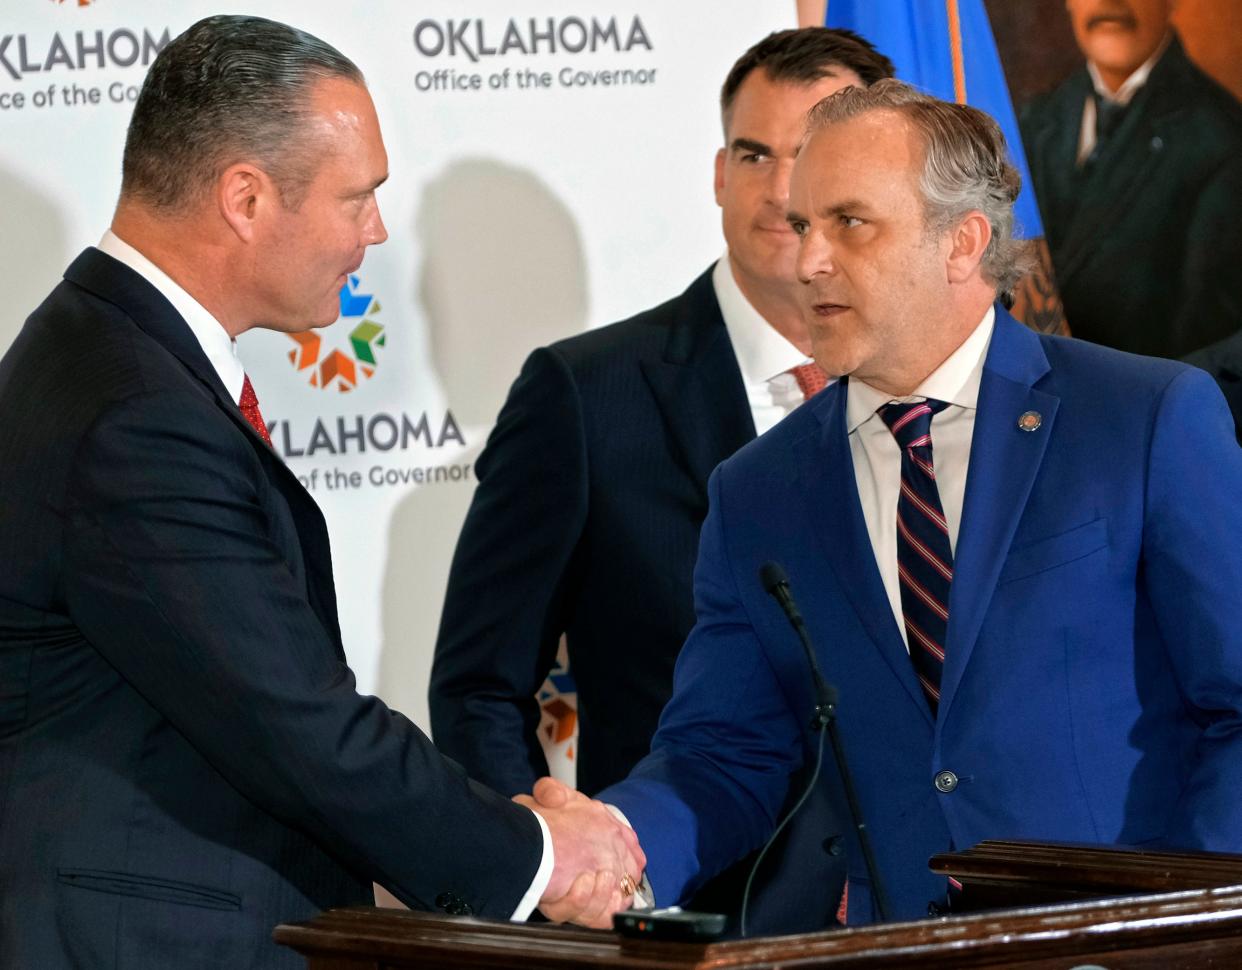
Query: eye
[[849, 222], [799, 226], [753, 158]]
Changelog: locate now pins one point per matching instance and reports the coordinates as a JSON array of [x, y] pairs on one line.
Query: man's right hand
[[598, 860]]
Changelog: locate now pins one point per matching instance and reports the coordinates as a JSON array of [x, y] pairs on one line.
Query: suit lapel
[[697, 385], [1004, 460], [825, 468], [1053, 147], [113, 281]]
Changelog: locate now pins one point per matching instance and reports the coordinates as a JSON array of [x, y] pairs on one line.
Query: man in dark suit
[[591, 489], [184, 759], [1137, 166], [1015, 553]]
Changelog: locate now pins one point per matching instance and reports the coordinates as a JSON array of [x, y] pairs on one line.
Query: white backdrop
[[561, 194]]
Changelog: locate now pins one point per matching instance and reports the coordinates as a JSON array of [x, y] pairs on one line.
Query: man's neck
[[169, 244], [777, 303], [1114, 81]]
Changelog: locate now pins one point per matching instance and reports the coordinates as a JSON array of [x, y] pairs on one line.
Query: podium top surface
[[1172, 929]]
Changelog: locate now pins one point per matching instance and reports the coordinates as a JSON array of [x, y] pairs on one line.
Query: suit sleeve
[[1210, 281], [177, 573], [511, 582], [720, 764], [1192, 568]]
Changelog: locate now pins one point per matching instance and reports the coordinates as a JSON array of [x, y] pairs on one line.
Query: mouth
[[1114, 21], [825, 309]]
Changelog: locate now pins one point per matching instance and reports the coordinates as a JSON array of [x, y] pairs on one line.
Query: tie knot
[[1108, 117], [911, 423]]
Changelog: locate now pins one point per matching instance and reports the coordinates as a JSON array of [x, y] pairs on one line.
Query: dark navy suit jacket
[[592, 491], [585, 523], [184, 759], [1092, 690]]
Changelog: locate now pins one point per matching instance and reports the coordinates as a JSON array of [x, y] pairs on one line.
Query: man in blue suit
[[1027, 603]]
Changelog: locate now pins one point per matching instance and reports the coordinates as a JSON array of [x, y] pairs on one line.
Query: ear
[[720, 175], [244, 194], [968, 241]]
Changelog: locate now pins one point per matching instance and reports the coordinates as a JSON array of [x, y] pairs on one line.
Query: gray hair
[[230, 88], [966, 166]]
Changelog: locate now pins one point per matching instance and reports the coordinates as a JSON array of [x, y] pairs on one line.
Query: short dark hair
[[803, 55], [229, 88]]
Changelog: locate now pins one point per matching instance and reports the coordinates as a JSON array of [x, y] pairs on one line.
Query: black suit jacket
[[592, 490], [585, 523], [1147, 241], [184, 760]]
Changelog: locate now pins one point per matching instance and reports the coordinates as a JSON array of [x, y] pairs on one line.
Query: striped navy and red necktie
[[924, 555]]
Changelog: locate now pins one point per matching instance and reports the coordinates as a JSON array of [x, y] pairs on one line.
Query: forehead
[[344, 119], [870, 158], [763, 107]]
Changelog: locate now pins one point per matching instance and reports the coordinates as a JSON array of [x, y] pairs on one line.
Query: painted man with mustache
[[1137, 165]]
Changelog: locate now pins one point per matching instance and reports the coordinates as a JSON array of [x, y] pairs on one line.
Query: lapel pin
[[1030, 421]]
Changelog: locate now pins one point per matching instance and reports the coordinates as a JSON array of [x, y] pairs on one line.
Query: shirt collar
[[220, 348], [956, 381], [1131, 85], [761, 352]]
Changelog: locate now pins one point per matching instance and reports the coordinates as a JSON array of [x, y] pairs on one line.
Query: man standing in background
[[591, 489], [1137, 166], [184, 759]]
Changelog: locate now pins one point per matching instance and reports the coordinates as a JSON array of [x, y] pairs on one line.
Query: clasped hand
[[598, 862]]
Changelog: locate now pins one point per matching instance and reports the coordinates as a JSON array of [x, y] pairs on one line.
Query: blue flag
[[946, 48]]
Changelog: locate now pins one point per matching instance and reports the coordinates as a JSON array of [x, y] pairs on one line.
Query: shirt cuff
[[644, 895], [543, 876]]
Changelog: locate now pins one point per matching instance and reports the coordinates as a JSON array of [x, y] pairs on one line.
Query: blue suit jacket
[[1093, 684]]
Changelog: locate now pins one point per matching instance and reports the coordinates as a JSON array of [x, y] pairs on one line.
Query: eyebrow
[[840, 209], [750, 145]]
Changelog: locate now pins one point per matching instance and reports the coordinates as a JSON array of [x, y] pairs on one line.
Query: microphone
[[776, 583]]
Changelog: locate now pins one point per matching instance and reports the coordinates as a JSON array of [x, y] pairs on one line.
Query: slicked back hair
[[966, 166], [231, 88], [803, 55]]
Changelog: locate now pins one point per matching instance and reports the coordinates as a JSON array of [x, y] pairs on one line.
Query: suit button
[[833, 845], [453, 904], [945, 781]]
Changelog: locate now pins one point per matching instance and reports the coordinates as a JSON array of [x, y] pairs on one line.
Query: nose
[[778, 184], [375, 231], [815, 256]]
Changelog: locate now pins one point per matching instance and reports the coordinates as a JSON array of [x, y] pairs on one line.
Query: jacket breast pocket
[[1044, 554], [148, 887]]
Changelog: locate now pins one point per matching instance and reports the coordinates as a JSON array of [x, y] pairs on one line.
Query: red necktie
[[811, 379], [249, 405]]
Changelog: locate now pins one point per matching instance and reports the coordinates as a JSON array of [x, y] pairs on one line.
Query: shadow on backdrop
[[503, 272], [33, 250]]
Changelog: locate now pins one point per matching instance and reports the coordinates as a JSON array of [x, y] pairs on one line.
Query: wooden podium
[[1197, 925]]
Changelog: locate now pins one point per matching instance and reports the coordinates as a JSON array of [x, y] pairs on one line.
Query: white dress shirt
[[877, 456], [219, 347], [763, 355], [221, 351]]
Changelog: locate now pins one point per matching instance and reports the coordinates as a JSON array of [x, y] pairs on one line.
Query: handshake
[[598, 863]]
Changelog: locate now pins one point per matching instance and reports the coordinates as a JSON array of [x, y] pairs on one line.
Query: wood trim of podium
[[1198, 925]]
